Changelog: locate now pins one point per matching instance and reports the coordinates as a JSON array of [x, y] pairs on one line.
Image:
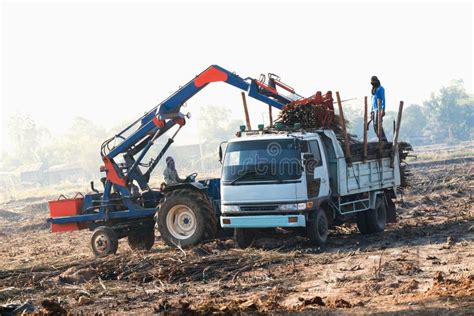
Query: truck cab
[[273, 180], [301, 179]]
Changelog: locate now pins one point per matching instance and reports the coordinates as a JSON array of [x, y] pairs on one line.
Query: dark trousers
[[376, 127]]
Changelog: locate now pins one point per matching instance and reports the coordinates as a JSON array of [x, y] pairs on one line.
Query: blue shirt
[[379, 94]]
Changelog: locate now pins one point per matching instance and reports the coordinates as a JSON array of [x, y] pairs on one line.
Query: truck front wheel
[[317, 227]]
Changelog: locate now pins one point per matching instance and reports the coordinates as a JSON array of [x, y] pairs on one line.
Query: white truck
[[301, 179]]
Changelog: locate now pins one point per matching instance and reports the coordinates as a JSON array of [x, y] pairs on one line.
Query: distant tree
[[27, 139], [82, 144], [216, 126], [467, 113], [450, 113], [414, 122]]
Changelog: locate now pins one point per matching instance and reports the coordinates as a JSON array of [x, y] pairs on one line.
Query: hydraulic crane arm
[[215, 74], [167, 114]]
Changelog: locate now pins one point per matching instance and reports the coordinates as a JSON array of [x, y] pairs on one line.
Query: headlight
[[301, 206], [293, 207], [230, 208]]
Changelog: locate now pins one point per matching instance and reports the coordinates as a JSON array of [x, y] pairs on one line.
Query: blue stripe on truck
[[263, 221]]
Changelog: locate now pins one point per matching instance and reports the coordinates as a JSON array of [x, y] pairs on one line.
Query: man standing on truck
[[378, 95], [170, 174]]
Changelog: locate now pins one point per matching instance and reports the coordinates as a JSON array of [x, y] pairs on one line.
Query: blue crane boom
[[167, 114]]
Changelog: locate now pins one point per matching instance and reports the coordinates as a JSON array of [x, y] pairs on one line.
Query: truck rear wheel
[[373, 220], [141, 240], [244, 237], [317, 227], [377, 217], [185, 218]]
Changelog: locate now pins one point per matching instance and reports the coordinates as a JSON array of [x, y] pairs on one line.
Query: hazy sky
[[110, 62]]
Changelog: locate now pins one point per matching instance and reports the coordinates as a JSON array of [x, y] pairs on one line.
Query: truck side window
[[314, 149], [304, 146]]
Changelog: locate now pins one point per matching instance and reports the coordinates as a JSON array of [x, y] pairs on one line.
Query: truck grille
[[265, 208]]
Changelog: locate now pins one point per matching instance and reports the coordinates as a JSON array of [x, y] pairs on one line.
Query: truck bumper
[[263, 221]]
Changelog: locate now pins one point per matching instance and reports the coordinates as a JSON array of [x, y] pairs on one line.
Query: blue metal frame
[[100, 216]]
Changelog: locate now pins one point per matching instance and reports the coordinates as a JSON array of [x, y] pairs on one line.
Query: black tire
[[377, 218], [244, 237], [317, 227], [362, 222], [141, 240], [104, 241], [196, 210]]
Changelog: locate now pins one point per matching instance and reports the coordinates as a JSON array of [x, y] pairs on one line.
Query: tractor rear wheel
[[185, 218]]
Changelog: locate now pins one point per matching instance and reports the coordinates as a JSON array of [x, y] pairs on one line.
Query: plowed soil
[[422, 264]]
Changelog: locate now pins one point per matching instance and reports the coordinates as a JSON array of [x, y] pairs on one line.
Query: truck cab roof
[[265, 134]]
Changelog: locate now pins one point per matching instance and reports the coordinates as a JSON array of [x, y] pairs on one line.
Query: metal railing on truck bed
[[360, 177]]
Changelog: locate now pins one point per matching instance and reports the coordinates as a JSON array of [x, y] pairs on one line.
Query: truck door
[[319, 169]]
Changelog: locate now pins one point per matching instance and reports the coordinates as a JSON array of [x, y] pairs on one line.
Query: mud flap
[[391, 211]]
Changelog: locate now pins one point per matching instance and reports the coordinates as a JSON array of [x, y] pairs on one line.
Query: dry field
[[422, 264]]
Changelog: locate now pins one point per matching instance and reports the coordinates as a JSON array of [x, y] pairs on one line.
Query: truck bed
[[361, 177]]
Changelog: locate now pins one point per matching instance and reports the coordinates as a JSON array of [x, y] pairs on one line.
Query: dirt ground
[[422, 264]]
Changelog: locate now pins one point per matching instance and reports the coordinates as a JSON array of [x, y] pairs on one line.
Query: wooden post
[[270, 114], [364, 155], [347, 148], [246, 111], [395, 134], [379, 127]]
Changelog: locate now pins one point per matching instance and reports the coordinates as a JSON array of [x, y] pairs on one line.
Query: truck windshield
[[262, 160]]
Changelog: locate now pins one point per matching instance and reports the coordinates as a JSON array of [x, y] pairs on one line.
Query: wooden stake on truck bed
[[246, 111], [270, 114], [364, 155], [395, 135], [379, 127], [347, 148]]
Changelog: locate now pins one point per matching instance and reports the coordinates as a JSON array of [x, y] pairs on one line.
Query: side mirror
[[221, 151], [308, 156]]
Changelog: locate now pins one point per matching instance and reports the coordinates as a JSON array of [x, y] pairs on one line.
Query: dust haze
[[104, 64]]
